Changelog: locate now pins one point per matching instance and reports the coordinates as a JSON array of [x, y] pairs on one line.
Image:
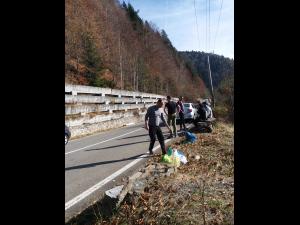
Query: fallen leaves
[[180, 198]]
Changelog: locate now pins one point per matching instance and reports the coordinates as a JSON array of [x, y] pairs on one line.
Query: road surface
[[98, 162]]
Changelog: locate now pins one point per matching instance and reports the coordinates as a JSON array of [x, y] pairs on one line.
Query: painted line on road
[[94, 188], [100, 132], [102, 141]]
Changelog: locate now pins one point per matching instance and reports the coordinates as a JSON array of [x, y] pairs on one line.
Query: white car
[[190, 112]]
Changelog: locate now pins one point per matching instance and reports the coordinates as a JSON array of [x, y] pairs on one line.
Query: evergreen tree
[[92, 60]]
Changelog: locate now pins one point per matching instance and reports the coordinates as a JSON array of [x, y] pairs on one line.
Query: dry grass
[[201, 192]]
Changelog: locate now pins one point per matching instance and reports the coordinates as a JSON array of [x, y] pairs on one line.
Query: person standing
[[208, 110], [153, 118], [181, 113], [201, 111], [171, 106]]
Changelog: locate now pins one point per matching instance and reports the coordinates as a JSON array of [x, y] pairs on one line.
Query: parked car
[[67, 134], [190, 112]]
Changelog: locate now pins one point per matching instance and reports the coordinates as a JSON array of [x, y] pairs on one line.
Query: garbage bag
[[190, 137], [166, 159], [173, 159], [176, 161], [170, 151], [181, 156]]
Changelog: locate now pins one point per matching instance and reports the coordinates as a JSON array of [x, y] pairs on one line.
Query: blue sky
[[177, 18]]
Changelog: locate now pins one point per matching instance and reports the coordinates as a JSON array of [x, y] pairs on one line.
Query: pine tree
[[92, 61]]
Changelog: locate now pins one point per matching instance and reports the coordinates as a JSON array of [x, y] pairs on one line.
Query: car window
[[186, 105]]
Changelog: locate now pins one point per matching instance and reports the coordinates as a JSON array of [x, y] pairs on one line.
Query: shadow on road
[[141, 135], [165, 133], [105, 162], [115, 146]]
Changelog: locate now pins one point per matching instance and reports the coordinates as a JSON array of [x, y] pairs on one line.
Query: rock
[[112, 199], [138, 186], [114, 192], [197, 157], [170, 171]]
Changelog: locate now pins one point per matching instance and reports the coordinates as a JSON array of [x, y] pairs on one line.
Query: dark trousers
[[201, 113], [181, 120], [153, 132]]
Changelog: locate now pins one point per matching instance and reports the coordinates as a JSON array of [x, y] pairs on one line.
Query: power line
[[206, 25], [218, 24], [209, 25], [197, 25], [165, 17]]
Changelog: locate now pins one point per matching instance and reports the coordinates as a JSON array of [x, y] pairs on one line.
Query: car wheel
[[209, 129], [66, 139]]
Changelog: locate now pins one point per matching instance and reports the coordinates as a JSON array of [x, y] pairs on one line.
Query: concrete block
[[112, 199], [114, 192]]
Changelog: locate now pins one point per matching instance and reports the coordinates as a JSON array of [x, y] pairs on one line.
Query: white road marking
[[97, 133], [94, 188], [102, 141]]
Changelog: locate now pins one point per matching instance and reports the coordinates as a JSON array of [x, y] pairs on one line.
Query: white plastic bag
[[181, 157]]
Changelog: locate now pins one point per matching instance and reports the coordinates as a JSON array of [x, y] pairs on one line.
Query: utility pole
[[211, 85]]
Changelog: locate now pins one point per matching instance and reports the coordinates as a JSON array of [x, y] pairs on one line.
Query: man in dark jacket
[[181, 113], [171, 106], [201, 111]]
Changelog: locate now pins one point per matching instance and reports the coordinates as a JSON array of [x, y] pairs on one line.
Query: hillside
[[222, 72], [107, 44], [221, 67]]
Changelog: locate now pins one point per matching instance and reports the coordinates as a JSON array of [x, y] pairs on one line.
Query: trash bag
[[172, 158], [175, 158], [166, 159], [181, 156], [176, 161], [180, 152], [170, 151], [190, 137]]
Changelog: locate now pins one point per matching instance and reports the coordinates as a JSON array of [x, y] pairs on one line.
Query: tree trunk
[[120, 56]]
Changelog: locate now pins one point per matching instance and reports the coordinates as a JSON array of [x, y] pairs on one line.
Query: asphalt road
[[96, 163]]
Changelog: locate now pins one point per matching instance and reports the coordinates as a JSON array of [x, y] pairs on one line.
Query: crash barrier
[[87, 105]]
